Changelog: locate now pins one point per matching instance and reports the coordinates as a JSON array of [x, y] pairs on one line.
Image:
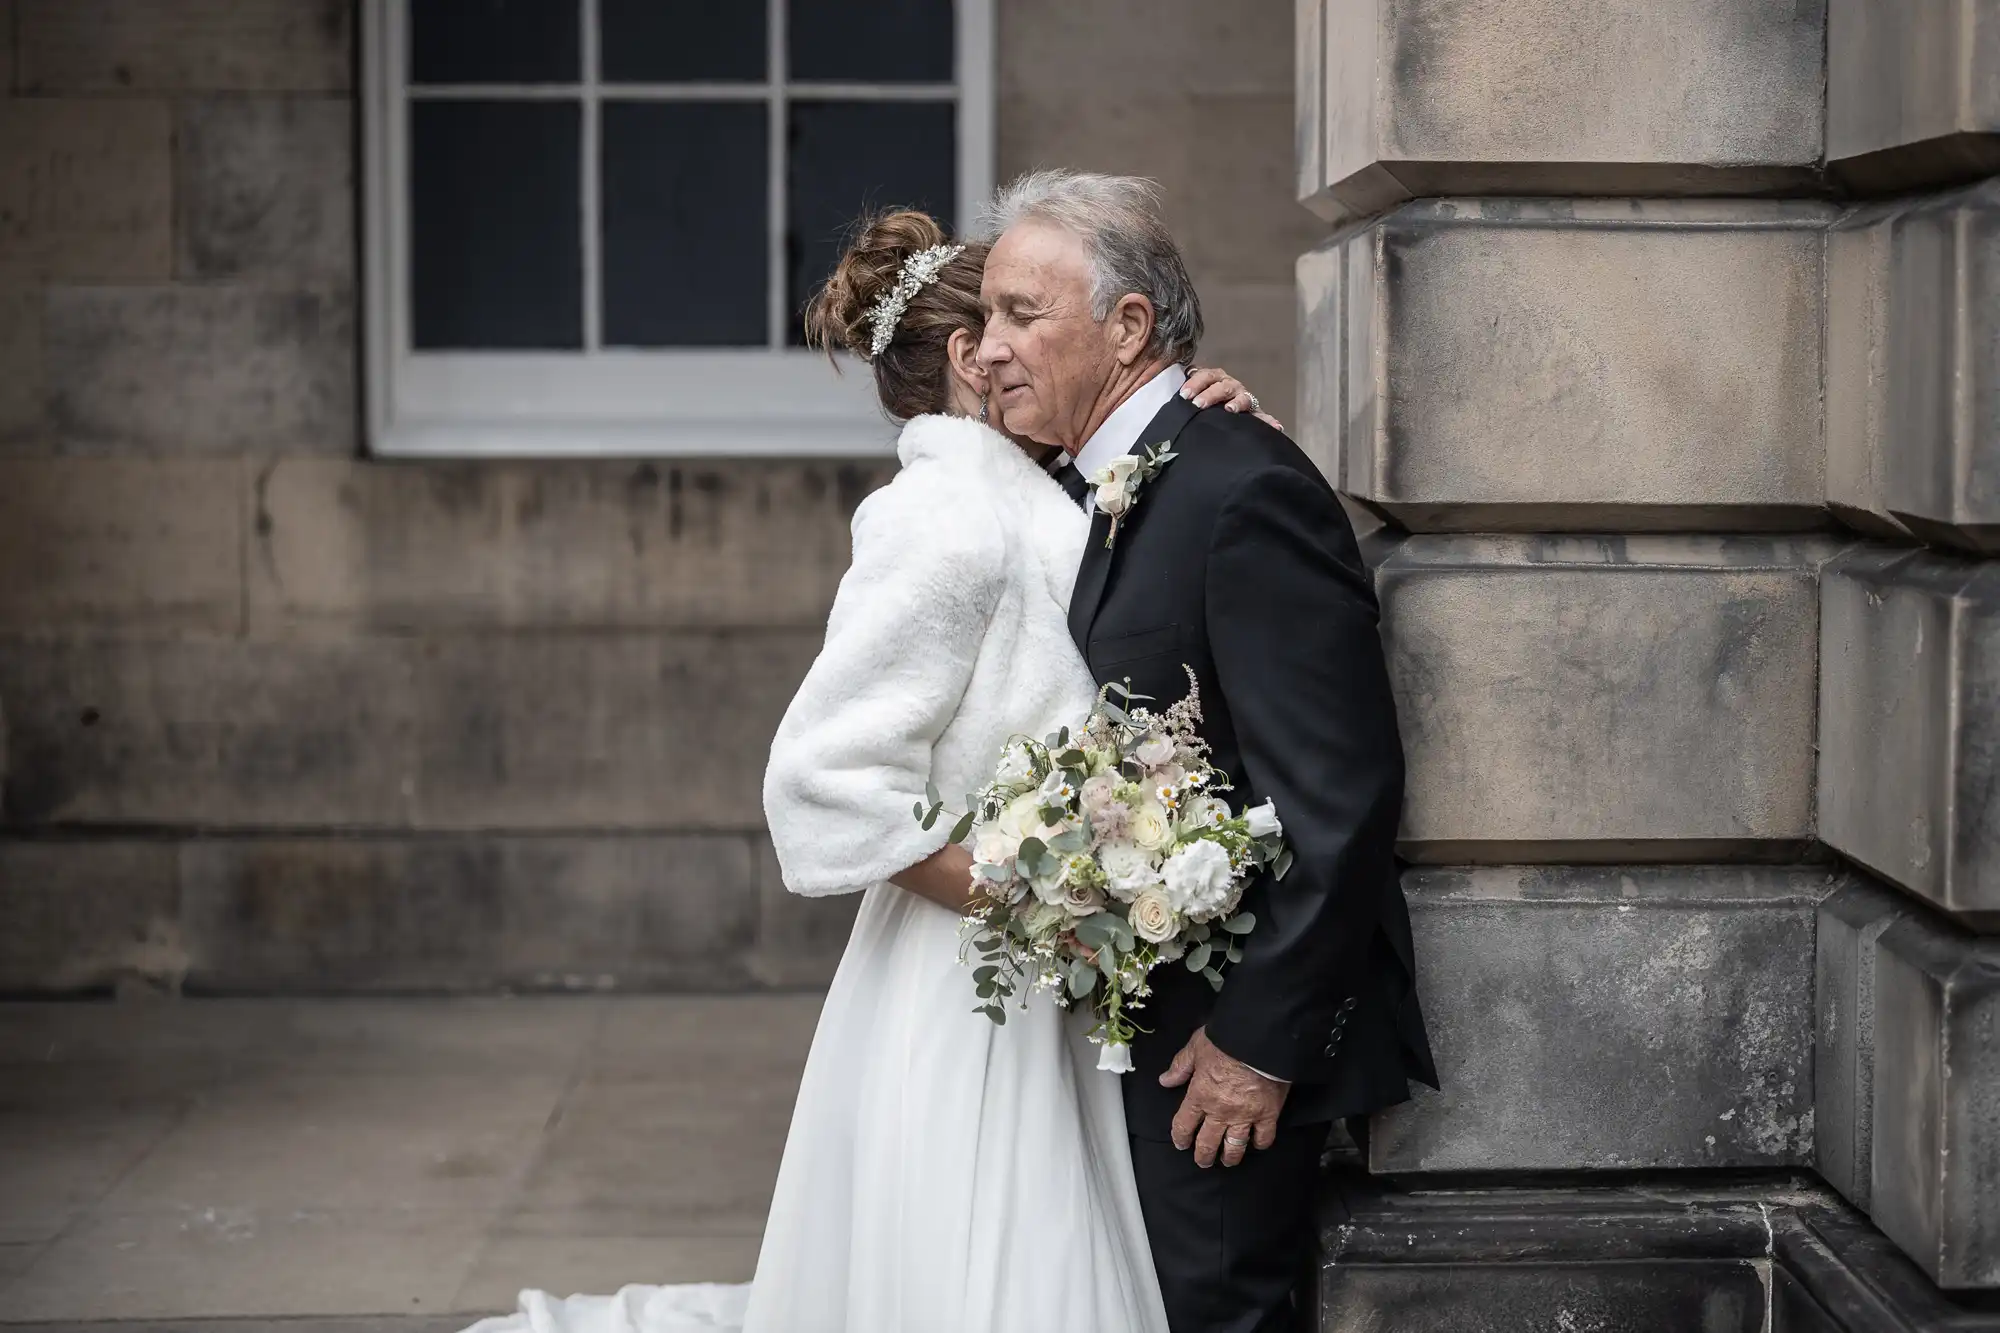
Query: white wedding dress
[[943, 1174]]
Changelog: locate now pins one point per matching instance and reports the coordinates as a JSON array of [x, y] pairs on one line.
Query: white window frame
[[675, 402]]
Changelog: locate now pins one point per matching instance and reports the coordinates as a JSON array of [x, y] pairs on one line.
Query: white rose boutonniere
[[1118, 484]]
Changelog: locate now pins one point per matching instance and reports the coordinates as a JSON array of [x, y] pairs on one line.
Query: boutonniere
[[1118, 485]]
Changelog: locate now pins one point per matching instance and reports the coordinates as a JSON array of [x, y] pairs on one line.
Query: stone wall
[[1612, 345], [275, 716]]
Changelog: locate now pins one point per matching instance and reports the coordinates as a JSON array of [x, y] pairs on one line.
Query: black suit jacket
[[1237, 561]]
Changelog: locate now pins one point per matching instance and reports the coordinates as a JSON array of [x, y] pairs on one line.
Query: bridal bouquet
[[1102, 855]]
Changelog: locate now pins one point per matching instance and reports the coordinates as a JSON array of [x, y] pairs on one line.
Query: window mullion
[[778, 305], [593, 185]]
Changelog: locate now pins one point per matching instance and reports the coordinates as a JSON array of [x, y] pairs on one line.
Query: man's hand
[[1228, 1104]]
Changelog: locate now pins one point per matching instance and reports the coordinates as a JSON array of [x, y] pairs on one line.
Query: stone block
[[1551, 365], [121, 544], [200, 370], [98, 46], [1718, 1297], [1654, 97], [128, 729], [1850, 923], [1935, 1187], [88, 916], [1492, 1259], [1912, 92], [799, 940], [1913, 368], [1218, 158], [1603, 698], [363, 546], [1619, 1018], [267, 189], [624, 731], [468, 913], [20, 367], [647, 731], [86, 189], [1909, 706], [1051, 47]]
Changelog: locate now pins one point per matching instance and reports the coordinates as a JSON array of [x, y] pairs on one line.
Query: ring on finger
[[1255, 404]]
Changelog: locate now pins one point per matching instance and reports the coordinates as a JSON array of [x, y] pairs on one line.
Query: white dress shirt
[[1121, 430]]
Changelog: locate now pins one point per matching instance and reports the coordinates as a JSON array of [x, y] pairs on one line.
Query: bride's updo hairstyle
[[912, 374]]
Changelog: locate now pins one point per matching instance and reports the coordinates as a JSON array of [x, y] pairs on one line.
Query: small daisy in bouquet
[[1102, 854]]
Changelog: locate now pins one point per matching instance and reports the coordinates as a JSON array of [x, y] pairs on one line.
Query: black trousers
[[1232, 1244]]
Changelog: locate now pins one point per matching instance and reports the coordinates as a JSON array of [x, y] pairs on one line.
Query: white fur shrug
[[949, 634]]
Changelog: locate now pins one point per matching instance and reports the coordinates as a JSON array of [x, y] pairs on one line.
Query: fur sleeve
[[853, 753]]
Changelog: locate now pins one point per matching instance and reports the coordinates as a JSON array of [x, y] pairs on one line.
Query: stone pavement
[[380, 1166]]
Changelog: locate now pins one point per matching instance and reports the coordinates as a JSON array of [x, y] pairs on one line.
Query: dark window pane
[[685, 228], [852, 157], [495, 41], [683, 41], [495, 237], [874, 41]]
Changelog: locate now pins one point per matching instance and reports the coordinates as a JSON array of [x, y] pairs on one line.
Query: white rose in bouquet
[[1130, 870], [1199, 881], [1150, 827], [1021, 818], [1082, 899], [1155, 750], [1263, 820], [1153, 917], [1100, 792]]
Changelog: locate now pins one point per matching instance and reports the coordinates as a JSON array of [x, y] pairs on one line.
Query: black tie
[[1073, 483]]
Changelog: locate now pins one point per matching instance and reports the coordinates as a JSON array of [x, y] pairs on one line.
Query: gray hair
[[1118, 220]]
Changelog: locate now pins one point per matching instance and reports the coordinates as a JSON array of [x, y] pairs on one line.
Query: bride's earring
[[983, 403]]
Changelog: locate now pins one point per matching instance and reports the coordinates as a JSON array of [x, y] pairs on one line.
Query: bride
[[942, 1174]]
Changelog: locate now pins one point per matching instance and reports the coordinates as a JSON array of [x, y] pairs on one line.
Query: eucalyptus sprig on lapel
[[1118, 484]]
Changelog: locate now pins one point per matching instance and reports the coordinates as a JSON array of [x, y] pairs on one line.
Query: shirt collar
[[1120, 431]]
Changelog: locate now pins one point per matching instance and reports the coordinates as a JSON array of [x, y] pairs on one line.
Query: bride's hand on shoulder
[[1214, 387]]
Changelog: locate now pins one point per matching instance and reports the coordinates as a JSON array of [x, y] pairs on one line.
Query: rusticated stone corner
[[1913, 368], [1559, 365], [1611, 1018], [1604, 698], [1913, 92], [1415, 98], [1935, 1177], [1909, 758]]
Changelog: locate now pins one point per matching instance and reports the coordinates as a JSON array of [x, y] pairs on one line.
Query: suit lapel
[[1093, 577]]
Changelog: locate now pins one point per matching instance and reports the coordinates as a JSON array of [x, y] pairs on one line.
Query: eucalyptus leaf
[[1214, 977], [931, 794], [1121, 930], [963, 828], [1094, 931], [985, 973], [1282, 864], [1240, 924], [1032, 848], [1082, 976], [1198, 957], [917, 810], [994, 1012], [1235, 955], [930, 818]]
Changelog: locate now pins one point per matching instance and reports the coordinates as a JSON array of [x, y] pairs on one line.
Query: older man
[[1235, 560]]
